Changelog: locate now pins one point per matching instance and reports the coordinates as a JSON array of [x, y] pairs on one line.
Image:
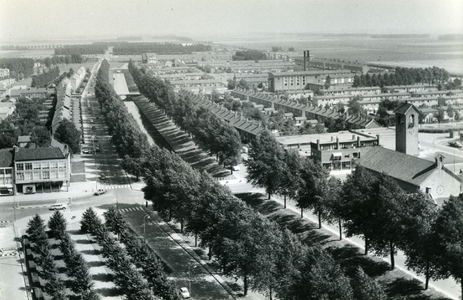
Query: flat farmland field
[[39, 53]]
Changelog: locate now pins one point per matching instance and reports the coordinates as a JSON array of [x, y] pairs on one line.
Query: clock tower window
[[411, 121]]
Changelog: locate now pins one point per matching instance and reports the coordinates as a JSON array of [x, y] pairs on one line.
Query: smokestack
[[305, 61]]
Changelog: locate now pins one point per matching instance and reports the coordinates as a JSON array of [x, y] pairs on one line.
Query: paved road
[[183, 265]]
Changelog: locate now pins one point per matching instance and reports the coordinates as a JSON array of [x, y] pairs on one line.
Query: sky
[[46, 19]]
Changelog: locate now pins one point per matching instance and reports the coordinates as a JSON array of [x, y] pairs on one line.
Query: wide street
[[124, 193], [121, 192]]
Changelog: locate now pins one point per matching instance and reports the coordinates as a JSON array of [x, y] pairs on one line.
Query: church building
[[411, 172]]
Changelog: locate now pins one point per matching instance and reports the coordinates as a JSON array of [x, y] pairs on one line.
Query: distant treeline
[[130, 38], [63, 59], [26, 47], [248, 55], [450, 37], [403, 76], [398, 36], [158, 48], [44, 79], [173, 37], [81, 49], [19, 67]]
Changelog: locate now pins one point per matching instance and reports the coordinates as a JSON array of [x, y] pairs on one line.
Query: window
[[62, 164], [46, 175], [20, 176], [347, 156], [20, 167], [411, 121], [36, 165], [37, 175], [28, 166], [62, 173], [28, 176], [54, 174], [54, 164], [45, 165]]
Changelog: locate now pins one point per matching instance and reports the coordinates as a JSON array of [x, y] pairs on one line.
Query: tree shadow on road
[[259, 203], [350, 257]]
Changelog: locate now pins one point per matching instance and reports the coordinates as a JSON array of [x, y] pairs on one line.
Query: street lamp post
[[189, 277], [144, 226]]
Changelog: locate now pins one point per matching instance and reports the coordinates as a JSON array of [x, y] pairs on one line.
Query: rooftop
[[401, 166], [24, 154]]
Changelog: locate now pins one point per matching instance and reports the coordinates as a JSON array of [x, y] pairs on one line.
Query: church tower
[[406, 129]]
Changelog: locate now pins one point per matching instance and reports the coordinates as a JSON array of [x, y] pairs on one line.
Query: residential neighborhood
[[201, 151]]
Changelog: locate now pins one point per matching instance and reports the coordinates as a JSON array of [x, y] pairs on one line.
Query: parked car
[[85, 152], [99, 192], [184, 293], [57, 207]]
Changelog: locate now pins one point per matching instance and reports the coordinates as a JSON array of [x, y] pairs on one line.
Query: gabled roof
[[406, 168], [405, 107], [38, 154]]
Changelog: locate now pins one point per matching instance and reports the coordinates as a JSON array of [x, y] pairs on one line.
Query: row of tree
[[249, 55], [20, 68], [75, 58], [44, 79], [210, 132], [76, 267], [137, 270], [81, 49], [373, 206], [403, 76], [158, 48], [245, 244]]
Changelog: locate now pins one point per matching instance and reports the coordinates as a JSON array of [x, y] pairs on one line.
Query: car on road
[[99, 192], [85, 152], [103, 177], [57, 207], [184, 293]]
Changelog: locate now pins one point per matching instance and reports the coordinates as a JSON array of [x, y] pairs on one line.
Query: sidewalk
[[448, 287]]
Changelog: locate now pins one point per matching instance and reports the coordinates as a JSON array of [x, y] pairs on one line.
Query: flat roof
[[386, 137], [308, 73]]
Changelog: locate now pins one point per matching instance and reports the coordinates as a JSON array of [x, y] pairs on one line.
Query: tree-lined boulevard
[[264, 256]]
